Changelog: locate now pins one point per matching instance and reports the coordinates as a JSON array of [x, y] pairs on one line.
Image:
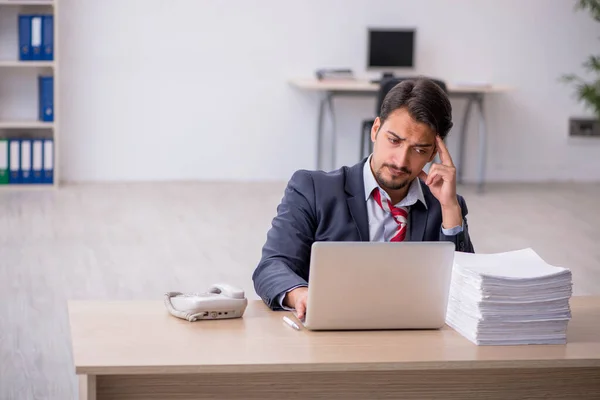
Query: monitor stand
[[385, 75]]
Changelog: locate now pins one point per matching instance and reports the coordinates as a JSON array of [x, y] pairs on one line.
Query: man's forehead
[[420, 136], [403, 122]]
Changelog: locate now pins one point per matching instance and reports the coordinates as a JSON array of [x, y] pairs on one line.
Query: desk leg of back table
[[326, 101], [482, 144], [322, 105], [333, 142], [87, 387], [482, 157], [462, 140]]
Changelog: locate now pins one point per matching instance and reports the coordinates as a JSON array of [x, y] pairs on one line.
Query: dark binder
[[48, 37], [25, 53]]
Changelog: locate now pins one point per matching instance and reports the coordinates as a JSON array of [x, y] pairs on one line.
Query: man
[[387, 197]]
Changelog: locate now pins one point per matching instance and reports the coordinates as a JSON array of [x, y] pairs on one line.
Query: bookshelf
[[27, 2], [26, 64], [32, 187], [26, 125], [19, 86]]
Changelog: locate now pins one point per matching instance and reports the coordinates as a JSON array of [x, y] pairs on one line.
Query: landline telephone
[[220, 301]]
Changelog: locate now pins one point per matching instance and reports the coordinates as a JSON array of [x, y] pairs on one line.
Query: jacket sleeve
[[462, 240], [285, 258]]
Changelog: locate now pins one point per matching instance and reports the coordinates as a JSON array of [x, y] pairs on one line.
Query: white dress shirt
[[382, 225]]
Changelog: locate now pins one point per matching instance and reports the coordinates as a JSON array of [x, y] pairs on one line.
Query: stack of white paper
[[509, 298]]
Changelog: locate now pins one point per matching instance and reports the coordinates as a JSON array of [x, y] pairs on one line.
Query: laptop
[[378, 285]]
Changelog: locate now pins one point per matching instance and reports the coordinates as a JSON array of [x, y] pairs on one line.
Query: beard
[[391, 183]]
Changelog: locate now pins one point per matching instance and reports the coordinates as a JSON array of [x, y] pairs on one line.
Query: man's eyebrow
[[414, 145]]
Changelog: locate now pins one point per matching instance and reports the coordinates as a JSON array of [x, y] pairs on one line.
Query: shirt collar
[[415, 191]]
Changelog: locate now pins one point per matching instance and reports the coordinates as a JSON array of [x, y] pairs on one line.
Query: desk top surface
[[359, 85], [138, 337]]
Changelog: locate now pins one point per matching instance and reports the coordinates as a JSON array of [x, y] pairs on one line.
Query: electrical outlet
[[586, 127]]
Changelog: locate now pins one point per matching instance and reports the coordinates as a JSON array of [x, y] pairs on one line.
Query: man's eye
[[393, 140], [420, 151]]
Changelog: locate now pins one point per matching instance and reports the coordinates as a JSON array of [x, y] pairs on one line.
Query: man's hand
[[297, 299], [442, 183]]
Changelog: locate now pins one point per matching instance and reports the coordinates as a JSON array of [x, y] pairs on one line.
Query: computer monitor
[[390, 49]]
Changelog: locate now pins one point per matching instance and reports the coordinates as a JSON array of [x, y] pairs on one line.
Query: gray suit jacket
[[331, 206]]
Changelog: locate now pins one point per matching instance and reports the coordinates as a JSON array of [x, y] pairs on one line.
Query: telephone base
[[218, 314], [220, 302]]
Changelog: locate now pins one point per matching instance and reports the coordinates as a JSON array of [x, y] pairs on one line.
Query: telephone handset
[[220, 301], [227, 290]]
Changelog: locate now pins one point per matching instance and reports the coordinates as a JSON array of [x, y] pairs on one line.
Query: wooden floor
[[124, 241]]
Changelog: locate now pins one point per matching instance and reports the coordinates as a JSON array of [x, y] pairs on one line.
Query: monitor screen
[[391, 48]]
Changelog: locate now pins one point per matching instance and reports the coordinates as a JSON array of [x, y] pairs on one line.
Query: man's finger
[[437, 172], [442, 169], [445, 157], [301, 309], [423, 176], [434, 178], [433, 175]]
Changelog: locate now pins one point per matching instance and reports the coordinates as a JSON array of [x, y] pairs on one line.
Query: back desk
[[136, 350]]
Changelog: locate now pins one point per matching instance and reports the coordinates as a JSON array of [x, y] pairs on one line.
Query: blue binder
[[14, 161], [25, 53], [48, 171], [46, 98], [48, 37]]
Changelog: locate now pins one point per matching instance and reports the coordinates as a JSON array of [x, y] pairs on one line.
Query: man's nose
[[402, 156]]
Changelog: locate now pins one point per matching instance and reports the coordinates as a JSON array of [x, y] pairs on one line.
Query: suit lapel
[[418, 219], [357, 203]]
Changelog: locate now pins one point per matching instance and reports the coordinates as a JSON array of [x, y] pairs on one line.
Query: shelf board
[[26, 64], [25, 125], [26, 3], [27, 187]]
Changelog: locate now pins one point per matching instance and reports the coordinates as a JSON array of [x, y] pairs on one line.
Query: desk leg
[[322, 105], [326, 102], [462, 140], [482, 144], [87, 387], [333, 142]]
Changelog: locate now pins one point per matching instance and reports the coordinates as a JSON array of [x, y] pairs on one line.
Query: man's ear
[[375, 129]]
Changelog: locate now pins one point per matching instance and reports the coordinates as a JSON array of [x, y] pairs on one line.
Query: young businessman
[[386, 197]]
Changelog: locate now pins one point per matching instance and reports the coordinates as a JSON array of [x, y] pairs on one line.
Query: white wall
[[187, 89]]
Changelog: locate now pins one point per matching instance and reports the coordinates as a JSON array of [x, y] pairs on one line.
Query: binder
[[48, 161], [3, 161], [25, 175], [46, 98], [14, 160], [25, 53], [48, 37], [36, 37], [37, 159]]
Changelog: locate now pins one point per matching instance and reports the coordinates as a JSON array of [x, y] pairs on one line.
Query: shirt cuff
[[282, 296], [454, 230]]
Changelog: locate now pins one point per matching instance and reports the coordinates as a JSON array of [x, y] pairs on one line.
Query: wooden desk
[[136, 350], [473, 94]]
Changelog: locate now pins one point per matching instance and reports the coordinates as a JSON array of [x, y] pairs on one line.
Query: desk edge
[[366, 86], [334, 367]]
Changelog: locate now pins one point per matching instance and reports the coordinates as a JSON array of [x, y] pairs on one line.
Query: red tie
[[400, 215]]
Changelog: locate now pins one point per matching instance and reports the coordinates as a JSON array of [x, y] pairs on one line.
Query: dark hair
[[425, 101]]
